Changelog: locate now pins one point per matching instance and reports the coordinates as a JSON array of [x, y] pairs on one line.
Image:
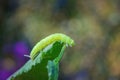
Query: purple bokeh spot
[[17, 50], [21, 48], [4, 74]]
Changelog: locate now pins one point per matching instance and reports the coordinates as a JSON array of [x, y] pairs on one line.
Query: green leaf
[[45, 58], [44, 67]]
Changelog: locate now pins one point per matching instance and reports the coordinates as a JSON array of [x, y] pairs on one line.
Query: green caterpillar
[[48, 40]]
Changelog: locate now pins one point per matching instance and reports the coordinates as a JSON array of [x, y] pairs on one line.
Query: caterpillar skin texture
[[48, 40]]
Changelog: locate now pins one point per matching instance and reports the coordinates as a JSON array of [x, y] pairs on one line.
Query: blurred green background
[[93, 24]]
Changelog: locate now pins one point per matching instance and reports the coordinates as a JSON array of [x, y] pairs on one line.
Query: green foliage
[[45, 66]]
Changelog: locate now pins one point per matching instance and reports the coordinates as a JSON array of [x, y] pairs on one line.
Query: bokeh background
[[93, 24]]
